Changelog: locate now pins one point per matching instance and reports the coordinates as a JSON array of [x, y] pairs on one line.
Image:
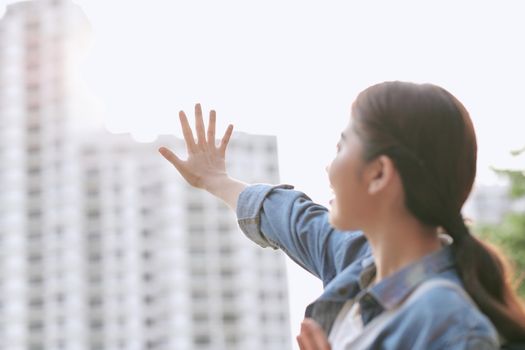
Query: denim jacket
[[280, 217]]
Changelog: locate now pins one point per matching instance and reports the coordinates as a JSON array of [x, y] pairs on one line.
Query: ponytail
[[486, 275]]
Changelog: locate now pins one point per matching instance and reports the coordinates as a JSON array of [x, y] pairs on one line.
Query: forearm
[[279, 217], [227, 189]]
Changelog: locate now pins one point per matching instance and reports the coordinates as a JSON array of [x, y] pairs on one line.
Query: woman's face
[[351, 203]]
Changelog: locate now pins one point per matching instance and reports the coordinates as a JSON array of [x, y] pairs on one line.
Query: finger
[[302, 343], [186, 131], [226, 139], [315, 334], [305, 339], [199, 126], [211, 129], [172, 158]]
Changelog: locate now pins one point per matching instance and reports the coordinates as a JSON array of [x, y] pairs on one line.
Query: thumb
[[171, 157]]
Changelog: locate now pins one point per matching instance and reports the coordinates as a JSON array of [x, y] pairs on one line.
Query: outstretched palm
[[206, 160]]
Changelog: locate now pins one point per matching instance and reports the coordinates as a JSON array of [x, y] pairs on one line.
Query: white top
[[347, 326]]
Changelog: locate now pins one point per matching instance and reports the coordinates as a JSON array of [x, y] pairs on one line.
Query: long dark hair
[[429, 136]]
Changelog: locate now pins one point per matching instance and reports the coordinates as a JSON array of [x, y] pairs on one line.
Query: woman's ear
[[380, 173]]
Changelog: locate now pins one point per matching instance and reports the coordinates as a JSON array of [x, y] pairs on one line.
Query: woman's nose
[[327, 168]]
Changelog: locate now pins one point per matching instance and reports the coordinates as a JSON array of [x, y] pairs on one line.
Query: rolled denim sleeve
[[280, 217], [478, 339], [472, 343], [481, 343]]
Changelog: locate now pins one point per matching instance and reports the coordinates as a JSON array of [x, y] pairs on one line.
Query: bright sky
[[292, 69]]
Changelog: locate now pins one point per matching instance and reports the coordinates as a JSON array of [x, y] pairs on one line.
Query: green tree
[[509, 235]]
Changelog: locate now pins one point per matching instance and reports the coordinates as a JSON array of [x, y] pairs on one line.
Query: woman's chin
[[338, 223], [333, 220]]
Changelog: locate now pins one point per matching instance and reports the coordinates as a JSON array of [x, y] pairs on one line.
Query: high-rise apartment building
[[168, 266], [41, 290], [102, 243]]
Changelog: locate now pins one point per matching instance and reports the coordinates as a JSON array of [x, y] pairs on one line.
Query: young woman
[[399, 267]]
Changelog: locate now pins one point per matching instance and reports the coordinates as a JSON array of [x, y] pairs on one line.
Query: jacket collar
[[392, 290]]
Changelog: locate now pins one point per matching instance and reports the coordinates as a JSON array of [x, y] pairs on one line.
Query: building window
[[197, 250], [34, 213], [34, 191], [96, 324], [201, 339], [149, 322], [95, 301], [227, 272], [198, 271], [34, 170], [231, 339], [92, 172], [34, 235], [35, 280], [226, 250], [33, 127], [195, 207], [94, 257], [200, 317], [223, 227], [229, 317], [36, 325], [148, 299], [147, 277], [94, 237], [93, 214], [35, 257], [92, 191], [199, 294], [36, 302], [196, 229], [95, 278], [33, 107], [228, 294], [60, 298]]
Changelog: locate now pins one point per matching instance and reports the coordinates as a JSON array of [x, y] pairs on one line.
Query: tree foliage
[[509, 235]]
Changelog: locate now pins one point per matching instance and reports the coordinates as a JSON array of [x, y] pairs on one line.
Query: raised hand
[[206, 161]]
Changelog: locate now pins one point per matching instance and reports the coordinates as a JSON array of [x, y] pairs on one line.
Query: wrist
[[215, 182], [226, 188]]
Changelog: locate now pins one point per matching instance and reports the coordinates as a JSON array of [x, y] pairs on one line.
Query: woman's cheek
[[333, 173]]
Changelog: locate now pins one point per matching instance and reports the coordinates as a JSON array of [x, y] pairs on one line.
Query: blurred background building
[[488, 204], [42, 287], [102, 244]]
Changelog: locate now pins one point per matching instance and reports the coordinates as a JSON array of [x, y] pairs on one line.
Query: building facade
[[102, 243]]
